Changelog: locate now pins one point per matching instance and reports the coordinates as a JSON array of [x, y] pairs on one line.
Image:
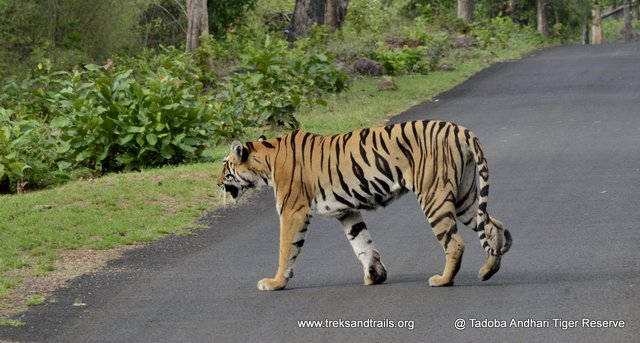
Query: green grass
[[365, 106], [11, 322], [108, 212], [131, 208], [35, 300]]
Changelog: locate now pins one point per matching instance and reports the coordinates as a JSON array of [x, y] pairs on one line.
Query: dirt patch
[[72, 263]]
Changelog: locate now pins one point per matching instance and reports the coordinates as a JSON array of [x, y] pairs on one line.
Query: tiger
[[339, 176]]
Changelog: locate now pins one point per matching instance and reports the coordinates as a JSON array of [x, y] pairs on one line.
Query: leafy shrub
[[27, 153], [150, 110], [279, 81], [114, 121], [400, 61], [420, 59], [367, 16], [494, 33]]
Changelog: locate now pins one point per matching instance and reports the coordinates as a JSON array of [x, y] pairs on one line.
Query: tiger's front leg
[[362, 244], [293, 229]]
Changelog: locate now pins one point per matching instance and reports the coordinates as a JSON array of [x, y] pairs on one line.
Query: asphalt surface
[[561, 130]]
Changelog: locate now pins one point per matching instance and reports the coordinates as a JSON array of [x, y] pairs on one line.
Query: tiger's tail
[[490, 230]]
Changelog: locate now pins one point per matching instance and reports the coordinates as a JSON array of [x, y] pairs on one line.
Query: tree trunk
[[320, 12], [585, 29], [511, 9], [305, 14], [334, 13], [543, 26], [465, 10], [628, 30], [198, 23], [596, 28]]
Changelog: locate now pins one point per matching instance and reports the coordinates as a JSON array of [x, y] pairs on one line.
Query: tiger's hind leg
[[492, 264], [362, 244], [468, 217], [467, 212], [442, 218]]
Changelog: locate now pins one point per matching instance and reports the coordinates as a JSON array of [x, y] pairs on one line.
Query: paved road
[[562, 133]]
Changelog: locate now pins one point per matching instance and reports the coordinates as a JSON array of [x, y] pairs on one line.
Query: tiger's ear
[[239, 151], [262, 138]]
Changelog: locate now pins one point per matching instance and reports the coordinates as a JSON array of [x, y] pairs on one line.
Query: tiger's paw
[[377, 274], [439, 281], [490, 267], [271, 284]]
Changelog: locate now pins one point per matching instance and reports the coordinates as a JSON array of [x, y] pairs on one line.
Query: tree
[[543, 25], [198, 23], [511, 9], [465, 10], [334, 13], [596, 27], [628, 30], [320, 12], [223, 13]]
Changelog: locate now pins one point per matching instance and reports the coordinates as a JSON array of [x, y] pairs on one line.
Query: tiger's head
[[243, 168]]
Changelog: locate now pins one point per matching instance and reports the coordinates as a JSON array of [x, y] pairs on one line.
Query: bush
[[150, 110], [117, 122], [27, 153], [420, 59], [278, 81], [495, 32]]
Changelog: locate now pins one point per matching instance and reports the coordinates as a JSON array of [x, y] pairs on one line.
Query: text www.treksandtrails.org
[[366, 323]]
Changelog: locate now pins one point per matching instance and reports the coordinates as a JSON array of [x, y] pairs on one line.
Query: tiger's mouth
[[234, 191]]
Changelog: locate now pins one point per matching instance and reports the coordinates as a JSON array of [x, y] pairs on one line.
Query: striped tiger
[[338, 176]]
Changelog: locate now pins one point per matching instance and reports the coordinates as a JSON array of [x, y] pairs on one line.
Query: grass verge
[[38, 229]]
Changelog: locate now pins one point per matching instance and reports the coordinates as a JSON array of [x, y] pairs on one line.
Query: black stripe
[[405, 137], [356, 229], [400, 177], [360, 198], [484, 191], [324, 196], [383, 166], [363, 154], [299, 243], [359, 173], [437, 221], [389, 128], [304, 140], [342, 200], [483, 207], [344, 185], [384, 145], [384, 185]]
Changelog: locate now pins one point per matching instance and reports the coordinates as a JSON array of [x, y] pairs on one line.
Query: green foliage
[[115, 121], [35, 300], [64, 33], [367, 16], [161, 22], [150, 110], [495, 32], [613, 29], [12, 322], [280, 81], [407, 60], [222, 13], [428, 9], [19, 34], [420, 59], [26, 152]]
